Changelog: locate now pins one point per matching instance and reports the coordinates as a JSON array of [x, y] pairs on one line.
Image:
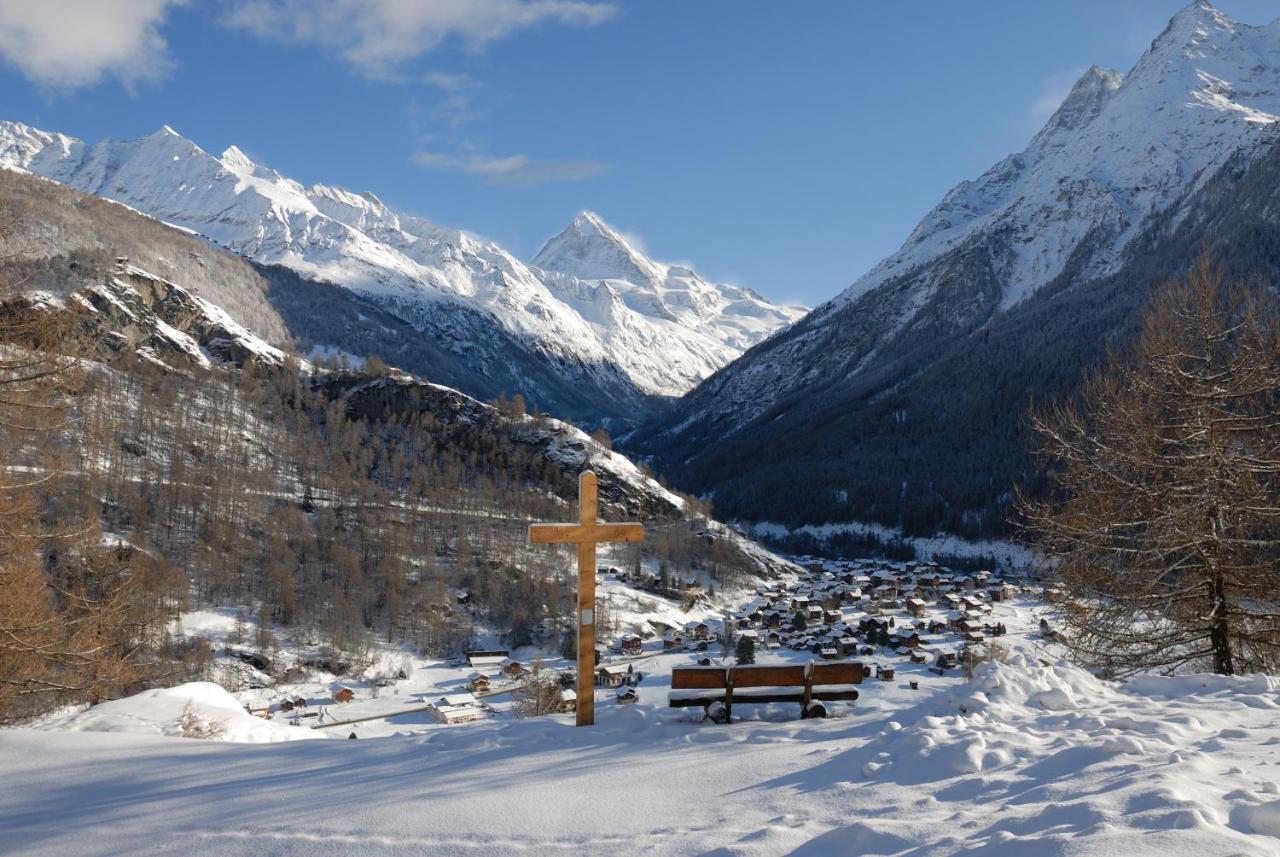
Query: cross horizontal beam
[[578, 534]]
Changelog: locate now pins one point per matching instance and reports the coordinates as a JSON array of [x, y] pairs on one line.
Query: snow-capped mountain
[[672, 324], [659, 335], [942, 327], [1118, 151]]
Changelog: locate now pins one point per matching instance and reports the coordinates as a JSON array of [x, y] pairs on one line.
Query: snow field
[[1024, 760]]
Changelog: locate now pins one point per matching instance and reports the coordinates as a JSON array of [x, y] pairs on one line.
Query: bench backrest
[[781, 676], [848, 672], [698, 678], [817, 675]]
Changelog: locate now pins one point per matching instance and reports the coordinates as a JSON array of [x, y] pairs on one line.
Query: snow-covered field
[[1026, 760], [1031, 757]]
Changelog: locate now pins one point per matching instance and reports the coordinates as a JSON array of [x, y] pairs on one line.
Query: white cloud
[[379, 35], [456, 103], [511, 169], [70, 43]]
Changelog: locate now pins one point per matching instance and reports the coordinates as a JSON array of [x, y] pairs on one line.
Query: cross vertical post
[[586, 534], [586, 687]]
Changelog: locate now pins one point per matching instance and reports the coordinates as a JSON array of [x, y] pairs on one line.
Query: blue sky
[[785, 146]]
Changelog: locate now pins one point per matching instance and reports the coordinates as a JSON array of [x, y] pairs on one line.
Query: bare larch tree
[[1162, 527]]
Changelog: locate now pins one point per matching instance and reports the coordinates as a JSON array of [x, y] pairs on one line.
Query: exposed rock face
[[147, 317]]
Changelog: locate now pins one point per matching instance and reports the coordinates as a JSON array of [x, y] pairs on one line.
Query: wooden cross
[[586, 534]]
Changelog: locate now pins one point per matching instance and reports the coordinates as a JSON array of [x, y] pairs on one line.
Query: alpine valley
[[980, 556]]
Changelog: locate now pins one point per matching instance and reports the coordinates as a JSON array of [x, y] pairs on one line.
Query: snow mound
[[198, 709]]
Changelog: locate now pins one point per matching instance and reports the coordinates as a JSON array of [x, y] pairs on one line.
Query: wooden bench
[[805, 684]]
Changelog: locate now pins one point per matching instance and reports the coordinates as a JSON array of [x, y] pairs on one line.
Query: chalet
[[699, 631], [514, 669], [773, 638], [627, 695], [750, 634], [831, 616], [916, 607], [828, 653], [632, 645], [946, 660], [773, 620], [910, 641], [672, 641], [456, 708], [568, 700], [344, 694], [973, 636], [919, 657], [937, 627], [951, 600], [291, 704], [478, 682], [490, 658], [611, 675]]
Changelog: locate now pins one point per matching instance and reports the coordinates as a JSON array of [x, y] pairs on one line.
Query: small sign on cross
[[586, 534]]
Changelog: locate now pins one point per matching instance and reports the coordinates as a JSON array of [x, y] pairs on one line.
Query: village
[[908, 626]]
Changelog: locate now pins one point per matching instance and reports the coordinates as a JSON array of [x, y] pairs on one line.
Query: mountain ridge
[[409, 266]]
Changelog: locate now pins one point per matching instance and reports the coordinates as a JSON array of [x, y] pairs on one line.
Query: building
[[514, 669], [631, 645], [490, 658], [456, 708], [612, 675]]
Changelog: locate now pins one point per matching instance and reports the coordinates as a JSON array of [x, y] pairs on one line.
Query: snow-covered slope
[[409, 266], [1024, 760]]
